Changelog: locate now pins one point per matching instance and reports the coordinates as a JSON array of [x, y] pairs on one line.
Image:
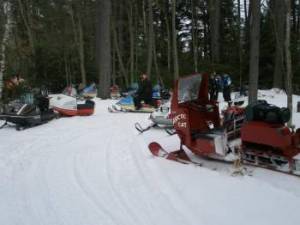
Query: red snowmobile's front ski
[[179, 156]]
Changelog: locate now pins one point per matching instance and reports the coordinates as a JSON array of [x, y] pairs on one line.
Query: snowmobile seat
[[27, 110], [42, 103], [87, 105]]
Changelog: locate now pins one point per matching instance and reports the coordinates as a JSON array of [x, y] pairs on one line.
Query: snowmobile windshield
[[188, 88]]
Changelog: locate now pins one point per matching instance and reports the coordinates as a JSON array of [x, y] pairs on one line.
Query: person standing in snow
[[213, 87], [226, 82], [144, 92]]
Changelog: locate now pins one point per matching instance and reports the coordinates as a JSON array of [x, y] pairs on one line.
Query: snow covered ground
[[98, 170]]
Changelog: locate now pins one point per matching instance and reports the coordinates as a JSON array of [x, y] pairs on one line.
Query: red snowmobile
[[262, 139]]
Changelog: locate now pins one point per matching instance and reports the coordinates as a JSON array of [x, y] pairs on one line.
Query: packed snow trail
[[98, 170]]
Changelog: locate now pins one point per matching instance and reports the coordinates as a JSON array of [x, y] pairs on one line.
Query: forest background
[[59, 42]]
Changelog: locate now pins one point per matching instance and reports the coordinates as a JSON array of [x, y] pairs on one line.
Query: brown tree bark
[[278, 11], [104, 47], [214, 20], [119, 55], [131, 38], [254, 50], [81, 51], [26, 19], [174, 39], [166, 20], [240, 42], [78, 37], [194, 36], [150, 38], [289, 88], [169, 48]]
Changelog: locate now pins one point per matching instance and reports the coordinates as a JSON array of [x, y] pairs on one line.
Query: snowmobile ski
[[114, 109], [179, 156], [4, 125], [111, 110], [141, 129]]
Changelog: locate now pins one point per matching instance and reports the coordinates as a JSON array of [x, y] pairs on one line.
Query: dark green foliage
[[55, 61]]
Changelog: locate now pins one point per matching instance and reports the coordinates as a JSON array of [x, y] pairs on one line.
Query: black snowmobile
[[26, 115]]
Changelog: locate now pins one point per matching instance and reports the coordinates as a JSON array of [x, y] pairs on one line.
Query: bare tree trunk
[[120, 26], [7, 8], [104, 47], [294, 15], [174, 39], [136, 25], [118, 52], [168, 44], [278, 13], [67, 67], [150, 38], [247, 5], [131, 37], [145, 19], [194, 36], [113, 65], [214, 20], [78, 36], [289, 88], [254, 50], [240, 43], [81, 52], [206, 42], [155, 60], [246, 10], [25, 16], [298, 21]]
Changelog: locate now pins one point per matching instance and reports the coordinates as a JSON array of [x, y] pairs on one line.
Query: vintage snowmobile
[[262, 140], [69, 106], [27, 115], [126, 104], [232, 116], [115, 92], [89, 92], [161, 117]]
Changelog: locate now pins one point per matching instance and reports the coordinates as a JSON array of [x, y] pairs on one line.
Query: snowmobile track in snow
[[98, 171]]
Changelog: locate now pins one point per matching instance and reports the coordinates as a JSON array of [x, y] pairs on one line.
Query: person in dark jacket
[[213, 87], [144, 92], [226, 88]]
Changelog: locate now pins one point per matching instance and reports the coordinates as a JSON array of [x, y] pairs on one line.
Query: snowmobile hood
[[126, 101]]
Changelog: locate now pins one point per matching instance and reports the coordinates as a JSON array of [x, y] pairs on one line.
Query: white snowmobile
[[161, 117]]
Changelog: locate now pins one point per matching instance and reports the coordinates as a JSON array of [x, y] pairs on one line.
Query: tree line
[[59, 42]]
